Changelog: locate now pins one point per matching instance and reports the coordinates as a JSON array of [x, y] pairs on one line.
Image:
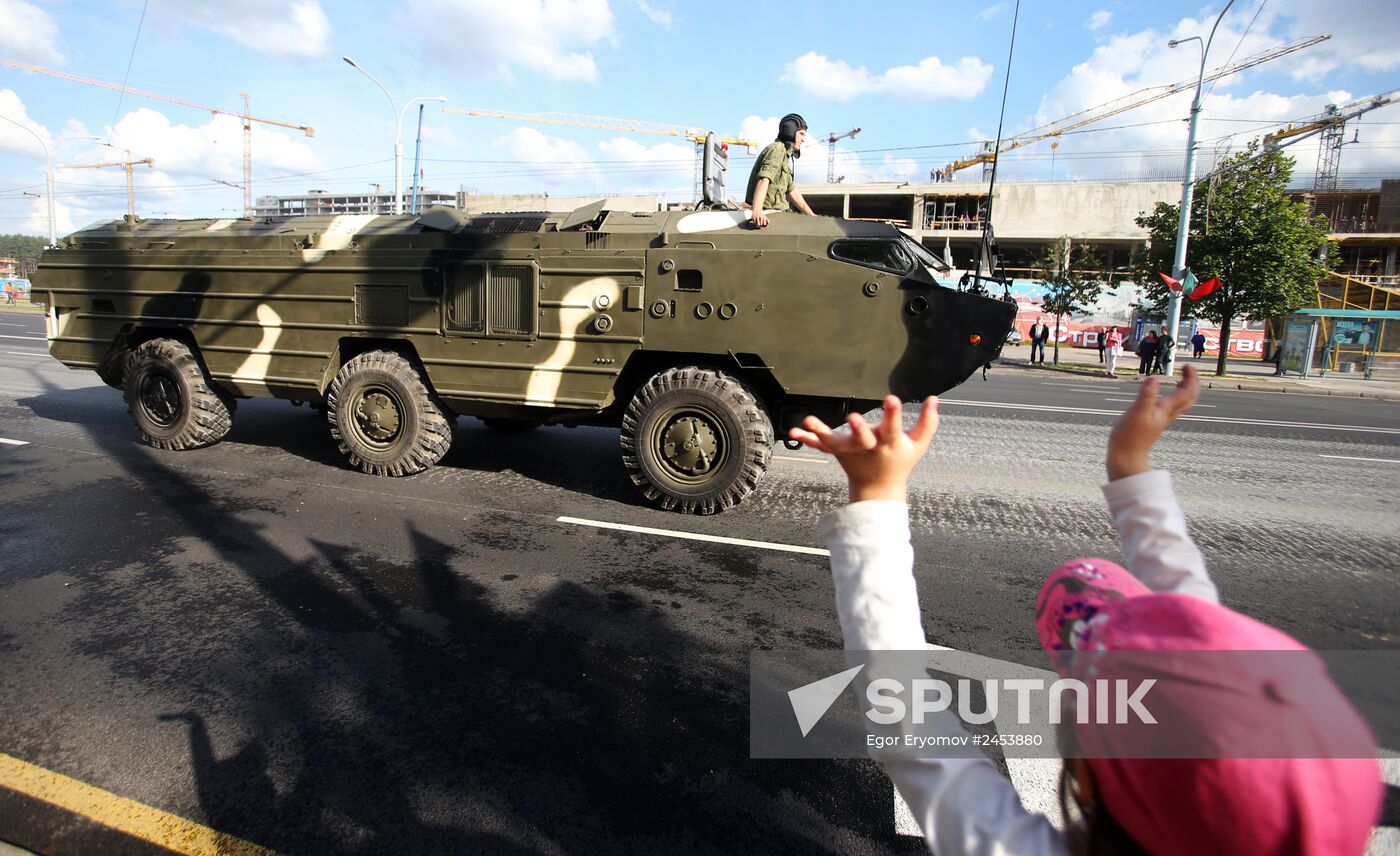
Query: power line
[[121, 94]]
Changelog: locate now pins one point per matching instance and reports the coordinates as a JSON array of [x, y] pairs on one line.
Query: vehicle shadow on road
[[335, 700]]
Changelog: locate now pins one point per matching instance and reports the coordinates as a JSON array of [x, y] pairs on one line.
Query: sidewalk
[[1243, 373]]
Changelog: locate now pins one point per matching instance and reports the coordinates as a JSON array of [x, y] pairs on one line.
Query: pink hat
[[1258, 805]]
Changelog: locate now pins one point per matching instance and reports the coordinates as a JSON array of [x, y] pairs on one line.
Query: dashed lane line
[[29, 353], [129, 817], [695, 536], [1350, 458], [1222, 420], [25, 338], [8, 442]]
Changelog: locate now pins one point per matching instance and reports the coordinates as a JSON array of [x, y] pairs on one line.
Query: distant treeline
[[26, 248]]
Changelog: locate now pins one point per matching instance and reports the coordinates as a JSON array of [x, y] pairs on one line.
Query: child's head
[[1209, 805]]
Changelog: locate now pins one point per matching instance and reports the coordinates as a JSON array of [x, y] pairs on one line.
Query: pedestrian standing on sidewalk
[[1198, 345], [1160, 359], [1103, 332], [1040, 334], [1146, 351], [1113, 346]]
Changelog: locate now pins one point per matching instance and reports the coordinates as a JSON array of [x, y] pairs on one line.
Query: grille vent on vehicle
[[468, 290], [504, 224], [595, 240], [510, 299]]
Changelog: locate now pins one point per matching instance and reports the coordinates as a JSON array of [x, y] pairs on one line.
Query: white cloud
[[763, 130], [544, 160], [1153, 136], [1363, 33], [19, 139], [664, 166], [1100, 19], [30, 33], [992, 11], [818, 76], [663, 18], [297, 30], [484, 36]]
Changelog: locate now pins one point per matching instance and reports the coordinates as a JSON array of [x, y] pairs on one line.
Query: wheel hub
[[160, 398], [689, 445], [377, 417]]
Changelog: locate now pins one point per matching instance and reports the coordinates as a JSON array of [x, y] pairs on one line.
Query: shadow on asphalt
[[344, 702]]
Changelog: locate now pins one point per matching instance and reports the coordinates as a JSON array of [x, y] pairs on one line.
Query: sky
[[922, 80]]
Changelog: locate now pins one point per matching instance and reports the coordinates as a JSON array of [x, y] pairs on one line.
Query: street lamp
[[398, 130], [1183, 225], [48, 174]]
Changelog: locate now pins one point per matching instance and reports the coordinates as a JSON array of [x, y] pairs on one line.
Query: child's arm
[[963, 805], [1150, 524]]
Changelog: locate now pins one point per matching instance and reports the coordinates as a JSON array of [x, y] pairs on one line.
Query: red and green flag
[[1189, 286]]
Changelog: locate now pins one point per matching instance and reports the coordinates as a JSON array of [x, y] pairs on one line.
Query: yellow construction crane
[[631, 126], [1332, 125], [124, 164], [831, 152], [1121, 105], [247, 119]]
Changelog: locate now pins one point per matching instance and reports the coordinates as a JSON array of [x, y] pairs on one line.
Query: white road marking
[[695, 536], [801, 459], [1349, 458], [25, 338], [1223, 420], [1124, 400], [8, 324], [29, 353], [1079, 386], [7, 442]]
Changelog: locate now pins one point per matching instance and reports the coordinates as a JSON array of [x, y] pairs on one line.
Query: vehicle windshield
[[878, 253], [924, 257]]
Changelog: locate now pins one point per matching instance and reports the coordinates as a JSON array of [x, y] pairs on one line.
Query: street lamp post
[[398, 130], [48, 174], [1183, 226], [398, 146]]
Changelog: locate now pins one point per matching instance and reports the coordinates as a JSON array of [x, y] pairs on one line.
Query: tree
[[1074, 279], [25, 248], [1266, 248]]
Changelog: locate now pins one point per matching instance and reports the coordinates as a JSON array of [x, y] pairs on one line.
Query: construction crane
[[130, 182], [245, 116], [1123, 104], [1332, 124], [831, 152], [631, 126]]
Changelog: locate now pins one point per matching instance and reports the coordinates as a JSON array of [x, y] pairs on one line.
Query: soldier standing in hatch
[[771, 182]]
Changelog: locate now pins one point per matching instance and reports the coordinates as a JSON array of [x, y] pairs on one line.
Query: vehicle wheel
[[170, 399], [507, 425], [387, 421], [696, 440]]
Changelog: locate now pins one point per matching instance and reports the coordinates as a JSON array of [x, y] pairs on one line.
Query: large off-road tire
[[386, 420], [170, 398], [696, 440]]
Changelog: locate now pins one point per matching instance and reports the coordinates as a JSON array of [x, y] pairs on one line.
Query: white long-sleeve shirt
[[965, 805]]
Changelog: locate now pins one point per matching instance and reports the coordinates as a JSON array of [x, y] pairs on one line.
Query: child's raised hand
[[877, 459], [1145, 420]]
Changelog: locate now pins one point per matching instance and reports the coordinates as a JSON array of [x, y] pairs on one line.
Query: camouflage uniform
[[775, 164]]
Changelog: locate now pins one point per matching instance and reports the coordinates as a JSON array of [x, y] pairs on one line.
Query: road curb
[[1244, 385]]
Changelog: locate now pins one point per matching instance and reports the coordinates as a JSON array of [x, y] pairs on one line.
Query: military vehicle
[[693, 332]]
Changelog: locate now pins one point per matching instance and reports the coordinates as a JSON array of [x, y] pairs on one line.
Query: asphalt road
[[256, 638]]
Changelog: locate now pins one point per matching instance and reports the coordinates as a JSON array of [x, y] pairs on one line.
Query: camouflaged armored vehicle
[[696, 334]]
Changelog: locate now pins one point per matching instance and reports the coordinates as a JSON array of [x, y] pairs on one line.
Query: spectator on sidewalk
[[1040, 334], [1198, 345], [1163, 355], [1113, 346], [1147, 352], [1103, 332]]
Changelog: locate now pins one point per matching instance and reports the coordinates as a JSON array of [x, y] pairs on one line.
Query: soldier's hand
[[878, 459], [759, 218], [1145, 420]]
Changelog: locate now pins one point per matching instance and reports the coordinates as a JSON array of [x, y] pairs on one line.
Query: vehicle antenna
[[991, 257]]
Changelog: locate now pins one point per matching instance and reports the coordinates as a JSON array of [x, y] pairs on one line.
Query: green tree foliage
[[26, 248], [1074, 278], [1265, 247]]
